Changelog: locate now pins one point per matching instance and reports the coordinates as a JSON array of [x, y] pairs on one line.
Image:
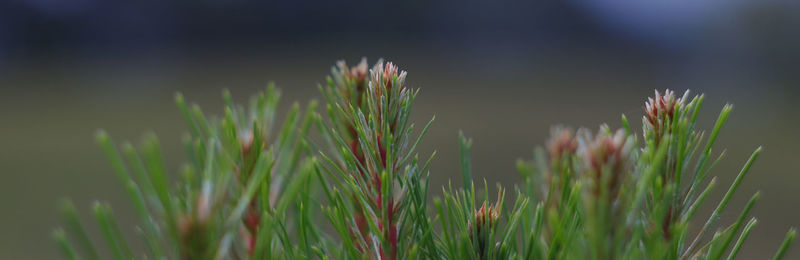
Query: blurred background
[[501, 72]]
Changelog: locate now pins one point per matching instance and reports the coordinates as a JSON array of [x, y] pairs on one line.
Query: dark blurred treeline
[[691, 38]]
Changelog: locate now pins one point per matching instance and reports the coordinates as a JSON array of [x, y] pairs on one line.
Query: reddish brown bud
[[385, 77], [355, 78], [193, 237], [481, 225], [485, 217], [660, 111], [246, 141], [606, 153], [354, 74], [194, 230], [562, 142], [359, 72]]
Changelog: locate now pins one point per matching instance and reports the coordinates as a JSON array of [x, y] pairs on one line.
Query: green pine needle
[[348, 183]]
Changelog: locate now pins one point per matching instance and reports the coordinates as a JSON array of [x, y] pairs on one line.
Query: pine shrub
[[255, 188]]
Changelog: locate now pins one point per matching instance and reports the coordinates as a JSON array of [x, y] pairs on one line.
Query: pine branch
[[254, 188]]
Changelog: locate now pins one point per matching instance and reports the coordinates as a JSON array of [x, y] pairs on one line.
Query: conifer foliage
[[348, 183]]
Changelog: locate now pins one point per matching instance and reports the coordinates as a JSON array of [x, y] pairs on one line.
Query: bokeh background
[[501, 72]]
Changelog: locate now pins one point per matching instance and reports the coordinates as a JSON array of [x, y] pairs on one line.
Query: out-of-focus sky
[[502, 72]]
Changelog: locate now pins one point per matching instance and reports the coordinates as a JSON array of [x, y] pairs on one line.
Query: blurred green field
[[50, 111]]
